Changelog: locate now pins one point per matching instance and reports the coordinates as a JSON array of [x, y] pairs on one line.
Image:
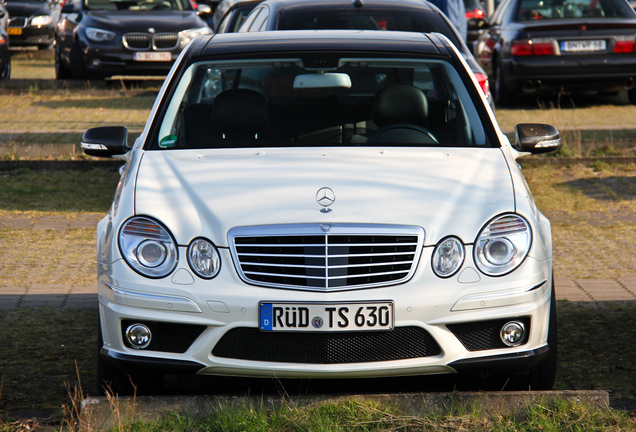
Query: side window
[[247, 24], [260, 22], [224, 23]]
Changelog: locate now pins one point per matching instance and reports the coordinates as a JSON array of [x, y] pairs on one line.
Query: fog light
[[138, 336], [513, 333]]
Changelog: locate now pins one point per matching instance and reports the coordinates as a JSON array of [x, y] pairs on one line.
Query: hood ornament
[[325, 197]]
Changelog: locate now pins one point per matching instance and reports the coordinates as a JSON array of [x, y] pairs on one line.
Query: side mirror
[[536, 138], [105, 141]]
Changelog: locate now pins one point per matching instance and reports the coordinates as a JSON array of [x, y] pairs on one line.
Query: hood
[[28, 9], [141, 21], [207, 192]]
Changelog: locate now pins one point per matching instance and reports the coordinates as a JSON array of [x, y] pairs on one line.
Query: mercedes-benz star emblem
[[325, 197]]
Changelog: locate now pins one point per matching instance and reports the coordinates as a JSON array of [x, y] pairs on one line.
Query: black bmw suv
[[103, 38]]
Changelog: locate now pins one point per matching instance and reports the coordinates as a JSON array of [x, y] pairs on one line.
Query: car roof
[[348, 4], [371, 41]]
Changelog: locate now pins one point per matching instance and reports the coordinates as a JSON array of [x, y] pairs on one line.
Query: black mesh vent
[[166, 337], [326, 348], [484, 335]]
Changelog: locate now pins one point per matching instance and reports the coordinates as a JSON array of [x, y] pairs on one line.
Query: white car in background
[[324, 204]]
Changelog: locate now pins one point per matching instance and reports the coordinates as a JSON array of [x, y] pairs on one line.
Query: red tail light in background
[[624, 46], [475, 14], [482, 79], [529, 48]]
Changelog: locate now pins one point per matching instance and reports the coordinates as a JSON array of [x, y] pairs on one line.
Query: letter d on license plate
[[326, 316]]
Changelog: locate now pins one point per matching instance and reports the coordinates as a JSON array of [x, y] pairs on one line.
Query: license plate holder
[[583, 45], [152, 56], [326, 317]]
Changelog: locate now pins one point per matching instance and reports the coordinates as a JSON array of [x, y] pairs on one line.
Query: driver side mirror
[[536, 138]]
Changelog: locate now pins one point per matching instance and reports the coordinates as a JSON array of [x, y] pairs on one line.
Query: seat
[[400, 112], [240, 116]]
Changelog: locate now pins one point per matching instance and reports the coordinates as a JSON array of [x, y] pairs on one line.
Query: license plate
[[152, 56], [583, 46], [326, 317], [14, 31]]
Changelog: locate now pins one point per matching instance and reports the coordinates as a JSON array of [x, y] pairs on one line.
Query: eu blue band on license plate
[[325, 317]]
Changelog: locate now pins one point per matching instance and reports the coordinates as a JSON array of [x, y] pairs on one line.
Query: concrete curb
[[98, 413]]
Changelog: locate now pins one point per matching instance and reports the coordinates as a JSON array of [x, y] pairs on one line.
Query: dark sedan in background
[[5, 58], [230, 14], [102, 38], [32, 22], [556, 46], [393, 15]]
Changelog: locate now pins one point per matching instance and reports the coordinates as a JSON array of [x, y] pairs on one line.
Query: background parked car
[[400, 15], [230, 14], [32, 22], [101, 38], [475, 20], [5, 57], [532, 46]]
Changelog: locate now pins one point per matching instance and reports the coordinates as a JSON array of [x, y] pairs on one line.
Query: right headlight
[[99, 35], [502, 245], [148, 247]]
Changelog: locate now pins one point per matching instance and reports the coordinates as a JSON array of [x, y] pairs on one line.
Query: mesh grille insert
[[326, 348]]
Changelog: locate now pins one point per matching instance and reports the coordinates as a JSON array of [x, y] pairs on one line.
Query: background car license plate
[[583, 45], [14, 31], [326, 316], [152, 56]]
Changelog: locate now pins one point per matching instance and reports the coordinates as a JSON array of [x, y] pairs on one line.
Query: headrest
[[240, 110], [400, 104]]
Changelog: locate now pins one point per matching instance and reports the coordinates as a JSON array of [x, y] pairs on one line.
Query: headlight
[[41, 20], [148, 247], [99, 35], [448, 257], [186, 36], [502, 245], [203, 258]]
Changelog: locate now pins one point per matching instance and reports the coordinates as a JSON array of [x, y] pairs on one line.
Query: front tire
[[62, 71], [632, 96], [501, 93]]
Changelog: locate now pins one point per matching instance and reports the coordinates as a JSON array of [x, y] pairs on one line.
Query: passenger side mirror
[[105, 141], [536, 138]]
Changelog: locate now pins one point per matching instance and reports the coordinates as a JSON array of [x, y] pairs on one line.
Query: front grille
[[145, 41], [18, 22], [166, 337], [326, 348], [484, 335], [326, 257]]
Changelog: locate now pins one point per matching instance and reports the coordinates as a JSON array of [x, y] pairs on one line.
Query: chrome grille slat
[[338, 257]]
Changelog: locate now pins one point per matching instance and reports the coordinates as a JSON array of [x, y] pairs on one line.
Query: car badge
[[151, 30], [326, 227], [325, 197]]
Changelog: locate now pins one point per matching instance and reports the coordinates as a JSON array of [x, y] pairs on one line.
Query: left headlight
[[502, 245], [148, 247], [448, 257], [185, 36], [99, 35], [203, 258], [41, 20]]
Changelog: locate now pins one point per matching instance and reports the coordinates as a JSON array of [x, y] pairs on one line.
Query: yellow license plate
[[14, 31]]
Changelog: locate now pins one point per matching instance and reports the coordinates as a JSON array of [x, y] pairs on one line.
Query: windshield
[[141, 5], [281, 103], [530, 10]]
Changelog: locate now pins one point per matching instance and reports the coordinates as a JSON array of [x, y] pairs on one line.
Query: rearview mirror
[[536, 138], [322, 80]]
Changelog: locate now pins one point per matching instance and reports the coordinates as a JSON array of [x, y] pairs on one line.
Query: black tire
[[632, 96], [77, 66], [501, 94], [116, 381], [5, 74], [62, 71]]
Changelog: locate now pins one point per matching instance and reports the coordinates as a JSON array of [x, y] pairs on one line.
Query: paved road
[[85, 296]]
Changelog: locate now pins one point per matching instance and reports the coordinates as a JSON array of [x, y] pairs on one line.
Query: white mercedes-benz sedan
[[324, 204]]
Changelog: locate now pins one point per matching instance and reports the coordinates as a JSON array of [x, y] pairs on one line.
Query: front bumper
[[212, 311], [107, 61], [30, 36]]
